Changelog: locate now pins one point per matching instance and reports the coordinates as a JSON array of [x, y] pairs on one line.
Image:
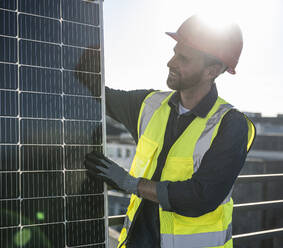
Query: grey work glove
[[114, 175]]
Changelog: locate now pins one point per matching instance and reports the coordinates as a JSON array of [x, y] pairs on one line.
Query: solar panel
[[49, 120]]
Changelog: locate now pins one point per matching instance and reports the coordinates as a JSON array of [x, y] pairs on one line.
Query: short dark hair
[[211, 60]]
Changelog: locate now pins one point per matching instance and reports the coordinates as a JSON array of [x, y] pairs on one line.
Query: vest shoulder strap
[[150, 104], [213, 121]]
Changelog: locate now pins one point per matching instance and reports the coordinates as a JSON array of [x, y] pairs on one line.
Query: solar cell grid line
[[19, 233], [49, 121]]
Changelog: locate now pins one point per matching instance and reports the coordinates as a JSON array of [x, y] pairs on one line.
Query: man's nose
[[171, 62]]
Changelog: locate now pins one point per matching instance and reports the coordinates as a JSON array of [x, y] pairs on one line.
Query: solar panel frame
[[68, 150]]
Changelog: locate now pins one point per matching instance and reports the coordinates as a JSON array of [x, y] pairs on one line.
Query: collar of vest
[[159, 98], [204, 105]]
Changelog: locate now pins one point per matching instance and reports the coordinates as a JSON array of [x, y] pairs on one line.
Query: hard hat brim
[[173, 35]]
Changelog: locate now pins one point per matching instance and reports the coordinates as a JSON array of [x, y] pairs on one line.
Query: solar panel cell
[[43, 210], [83, 132], [80, 233], [9, 130], [79, 183], [8, 76], [80, 35], [8, 49], [74, 105], [8, 103], [84, 207], [91, 86], [9, 185], [50, 8], [80, 11], [8, 23], [71, 56], [9, 157], [74, 155], [41, 131], [7, 236], [8, 4], [38, 158], [40, 54], [39, 28], [40, 79], [42, 184], [41, 105], [10, 213], [44, 236]]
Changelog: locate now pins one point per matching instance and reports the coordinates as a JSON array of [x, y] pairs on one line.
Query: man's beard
[[176, 82]]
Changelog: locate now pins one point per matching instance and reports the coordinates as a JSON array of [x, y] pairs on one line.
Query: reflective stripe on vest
[[151, 104], [199, 240], [228, 197], [127, 223], [203, 142]]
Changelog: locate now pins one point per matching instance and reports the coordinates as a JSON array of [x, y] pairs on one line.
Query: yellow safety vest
[[213, 229]]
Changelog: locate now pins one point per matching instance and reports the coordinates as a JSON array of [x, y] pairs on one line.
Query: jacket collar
[[202, 108]]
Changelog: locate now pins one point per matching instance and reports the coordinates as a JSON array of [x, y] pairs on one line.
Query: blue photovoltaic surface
[[9, 76], [50, 118], [8, 23], [8, 4], [36, 79], [39, 28]]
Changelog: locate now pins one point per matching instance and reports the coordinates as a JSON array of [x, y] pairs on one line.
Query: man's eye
[[184, 59]]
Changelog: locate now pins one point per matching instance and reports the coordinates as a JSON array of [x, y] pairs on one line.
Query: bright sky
[[137, 50]]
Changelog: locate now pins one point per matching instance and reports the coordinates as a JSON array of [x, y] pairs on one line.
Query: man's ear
[[213, 71]]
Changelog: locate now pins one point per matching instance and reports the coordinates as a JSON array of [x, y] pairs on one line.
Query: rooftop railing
[[245, 237]]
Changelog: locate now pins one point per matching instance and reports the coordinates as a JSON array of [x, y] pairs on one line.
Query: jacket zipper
[[131, 227]]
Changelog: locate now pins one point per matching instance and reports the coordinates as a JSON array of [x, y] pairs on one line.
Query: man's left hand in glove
[[99, 165]]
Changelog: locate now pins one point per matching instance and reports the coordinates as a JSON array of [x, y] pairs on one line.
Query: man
[[191, 146]]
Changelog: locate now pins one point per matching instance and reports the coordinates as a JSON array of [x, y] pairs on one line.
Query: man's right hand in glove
[[99, 165]]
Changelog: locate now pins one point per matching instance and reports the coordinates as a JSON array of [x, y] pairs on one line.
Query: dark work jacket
[[209, 186]]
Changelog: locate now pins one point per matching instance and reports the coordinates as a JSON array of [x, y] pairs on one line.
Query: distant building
[[121, 147], [265, 157], [268, 145], [123, 154]]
